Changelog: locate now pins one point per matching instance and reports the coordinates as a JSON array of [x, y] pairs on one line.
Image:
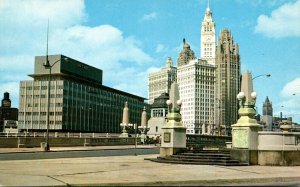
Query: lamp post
[[267, 75], [47, 65], [134, 126]]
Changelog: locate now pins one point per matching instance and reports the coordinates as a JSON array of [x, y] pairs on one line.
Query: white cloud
[[151, 16], [23, 35], [291, 99], [291, 88], [283, 22], [160, 48], [106, 48]]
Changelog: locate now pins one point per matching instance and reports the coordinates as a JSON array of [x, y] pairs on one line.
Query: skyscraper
[[196, 78], [227, 80], [160, 82], [208, 38]]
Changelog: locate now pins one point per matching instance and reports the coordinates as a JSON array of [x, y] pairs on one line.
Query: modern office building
[[208, 38], [159, 111], [196, 81], [228, 73], [8, 115], [267, 117], [160, 82], [78, 100]]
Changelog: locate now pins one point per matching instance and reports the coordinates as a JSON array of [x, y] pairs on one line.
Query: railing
[[60, 134], [198, 142], [18, 142]]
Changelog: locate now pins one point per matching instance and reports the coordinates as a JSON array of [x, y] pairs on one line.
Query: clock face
[[6, 103]]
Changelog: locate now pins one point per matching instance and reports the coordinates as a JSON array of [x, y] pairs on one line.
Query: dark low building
[[8, 115], [78, 100]]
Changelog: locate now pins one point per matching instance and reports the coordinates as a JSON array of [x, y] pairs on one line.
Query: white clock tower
[[208, 38]]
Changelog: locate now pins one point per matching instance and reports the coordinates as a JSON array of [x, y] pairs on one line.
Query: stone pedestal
[[173, 141], [143, 138], [124, 135], [173, 132], [245, 131], [245, 137]]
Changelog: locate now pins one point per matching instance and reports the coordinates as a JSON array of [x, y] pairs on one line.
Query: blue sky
[[127, 39]]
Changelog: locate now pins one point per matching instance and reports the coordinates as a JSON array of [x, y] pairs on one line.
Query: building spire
[[208, 8]]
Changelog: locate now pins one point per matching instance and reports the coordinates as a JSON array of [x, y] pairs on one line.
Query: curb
[[278, 181]]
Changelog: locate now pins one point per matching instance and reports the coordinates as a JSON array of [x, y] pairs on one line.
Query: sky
[[128, 39]]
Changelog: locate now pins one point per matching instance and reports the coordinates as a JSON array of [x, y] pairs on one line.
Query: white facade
[[196, 89], [208, 38], [160, 82]]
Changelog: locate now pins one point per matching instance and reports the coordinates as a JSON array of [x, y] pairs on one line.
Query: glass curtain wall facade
[[75, 105]]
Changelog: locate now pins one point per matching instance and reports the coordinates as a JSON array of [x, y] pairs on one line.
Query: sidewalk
[[134, 170], [79, 148]]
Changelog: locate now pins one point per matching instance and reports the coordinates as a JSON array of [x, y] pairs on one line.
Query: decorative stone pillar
[[143, 128], [125, 121], [245, 131], [174, 133]]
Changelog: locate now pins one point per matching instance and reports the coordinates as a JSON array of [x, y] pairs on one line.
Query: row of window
[[40, 113]]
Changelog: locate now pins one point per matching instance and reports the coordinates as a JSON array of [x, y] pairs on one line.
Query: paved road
[[136, 171], [77, 154]]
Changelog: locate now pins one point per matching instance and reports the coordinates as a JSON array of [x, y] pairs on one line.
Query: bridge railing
[[198, 142]]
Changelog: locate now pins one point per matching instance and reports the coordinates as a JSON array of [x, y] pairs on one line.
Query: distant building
[[267, 117], [8, 115], [196, 79], [228, 74], [160, 82], [208, 38], [185, 55], [159, 111], [78, 100]]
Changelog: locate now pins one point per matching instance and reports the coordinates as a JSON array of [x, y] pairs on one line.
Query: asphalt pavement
[[133, 170]]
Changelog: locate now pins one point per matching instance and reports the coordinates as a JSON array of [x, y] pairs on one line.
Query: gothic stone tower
[[267, 107], [267, 117], [227, 81]]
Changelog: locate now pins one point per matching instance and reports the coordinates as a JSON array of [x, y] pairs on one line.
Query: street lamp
[[134, 126], [47, 65], [267, 75]]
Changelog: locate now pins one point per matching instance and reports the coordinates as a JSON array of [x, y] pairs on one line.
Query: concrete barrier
[[279, 148], [8, 142]]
